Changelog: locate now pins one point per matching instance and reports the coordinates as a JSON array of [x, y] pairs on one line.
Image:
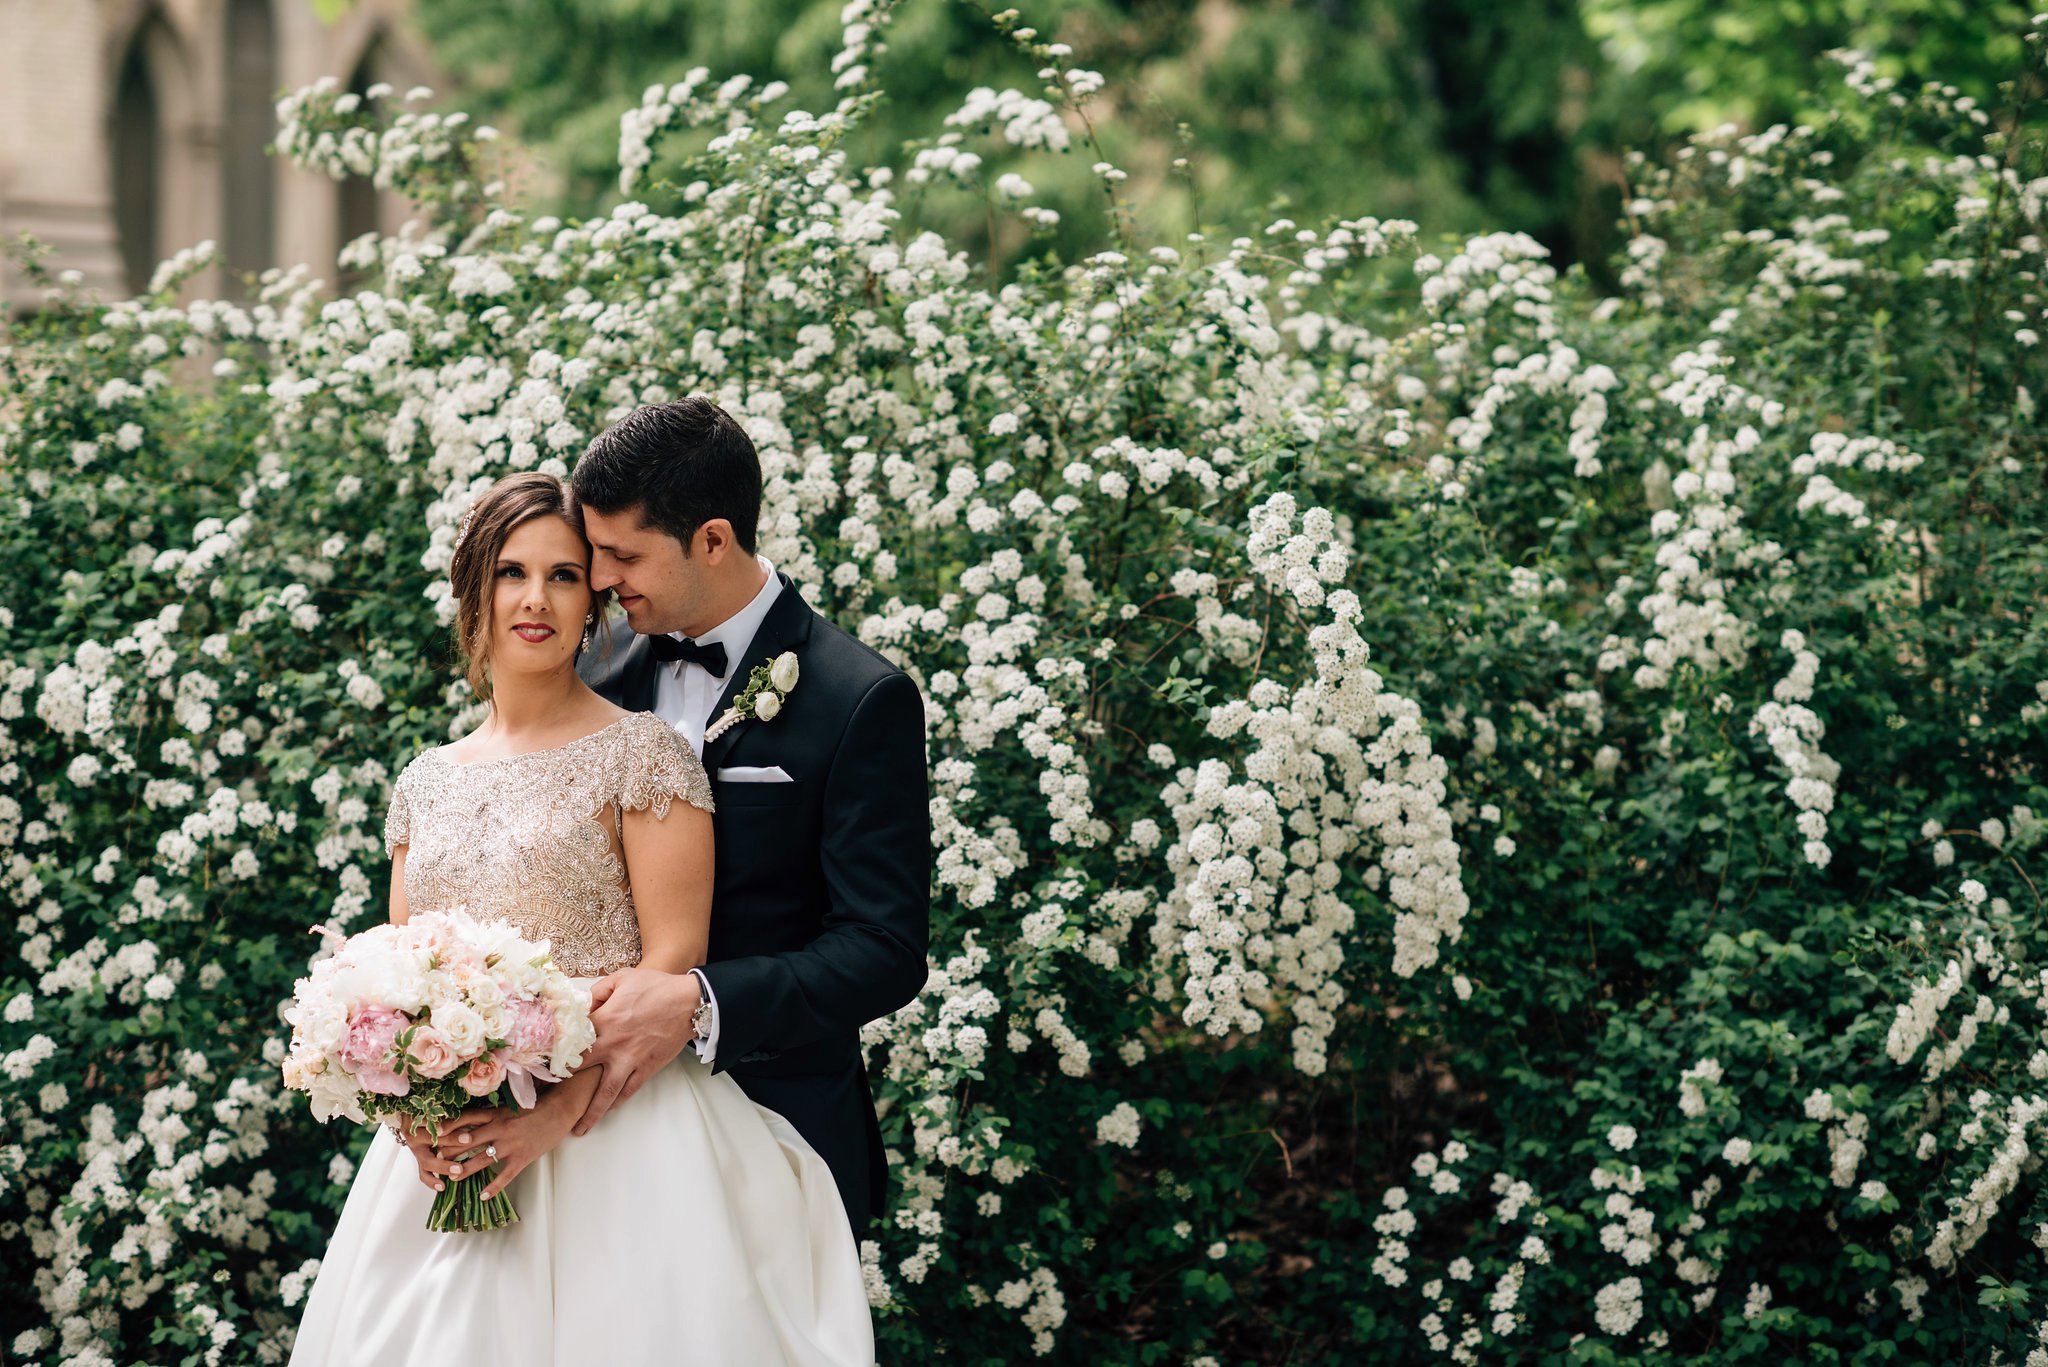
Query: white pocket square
[[742, 774]]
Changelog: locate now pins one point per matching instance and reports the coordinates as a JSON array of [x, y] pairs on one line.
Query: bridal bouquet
[[422, 1021]]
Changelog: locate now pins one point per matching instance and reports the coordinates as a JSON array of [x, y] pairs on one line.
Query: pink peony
[[483, 1076], [432, 1055], [530, 1028], [382, 1081], [372, 1030]]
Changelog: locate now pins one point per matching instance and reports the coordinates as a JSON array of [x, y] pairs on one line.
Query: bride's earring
[[586, 639]]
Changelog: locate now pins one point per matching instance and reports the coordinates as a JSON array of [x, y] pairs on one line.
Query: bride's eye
[[510, 572], [568, 576]]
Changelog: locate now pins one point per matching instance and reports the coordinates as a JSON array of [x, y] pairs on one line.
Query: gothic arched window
[[359, 205], [138, 160]]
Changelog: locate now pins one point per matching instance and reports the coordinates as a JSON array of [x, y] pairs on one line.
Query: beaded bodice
[[534, 839]]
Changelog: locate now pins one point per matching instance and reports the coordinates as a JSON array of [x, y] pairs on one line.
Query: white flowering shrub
[[1473, 818]]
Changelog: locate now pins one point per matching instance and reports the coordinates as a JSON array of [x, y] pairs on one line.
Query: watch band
[[700, 1019]]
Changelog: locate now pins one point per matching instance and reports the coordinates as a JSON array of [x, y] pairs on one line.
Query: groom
[[821, 894]]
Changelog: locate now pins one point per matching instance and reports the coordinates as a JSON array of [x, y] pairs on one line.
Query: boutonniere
[[768, 688]]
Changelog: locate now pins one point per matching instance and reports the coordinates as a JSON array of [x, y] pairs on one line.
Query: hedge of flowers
[[1475, 817]]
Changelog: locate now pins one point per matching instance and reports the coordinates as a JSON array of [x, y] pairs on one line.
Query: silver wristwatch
[[700, 1019]]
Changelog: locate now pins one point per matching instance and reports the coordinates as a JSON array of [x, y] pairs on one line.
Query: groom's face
[[660, 588]]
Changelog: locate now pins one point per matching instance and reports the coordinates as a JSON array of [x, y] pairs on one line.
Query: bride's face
[[540, 598]]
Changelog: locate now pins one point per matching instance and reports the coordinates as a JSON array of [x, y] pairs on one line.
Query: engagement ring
[[491, 1152]]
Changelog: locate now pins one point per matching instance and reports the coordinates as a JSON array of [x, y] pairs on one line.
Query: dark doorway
[[138, 161]]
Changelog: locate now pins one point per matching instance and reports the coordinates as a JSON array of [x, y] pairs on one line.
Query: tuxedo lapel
[[624, 672], [786, 627], [642, 677]]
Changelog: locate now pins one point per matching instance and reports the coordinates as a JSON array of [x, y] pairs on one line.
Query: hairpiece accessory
[[463, 530]]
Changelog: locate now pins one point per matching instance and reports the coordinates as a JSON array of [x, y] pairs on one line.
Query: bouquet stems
[[461, 1208]]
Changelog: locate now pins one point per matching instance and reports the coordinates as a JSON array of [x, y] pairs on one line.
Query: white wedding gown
[[689, 1226]]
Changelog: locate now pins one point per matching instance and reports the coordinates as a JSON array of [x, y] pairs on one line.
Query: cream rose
[[483, 991], [783, 672], [462, 1027], [766, 705]]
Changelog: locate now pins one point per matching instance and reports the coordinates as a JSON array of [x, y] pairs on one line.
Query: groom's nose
[[602, 575]]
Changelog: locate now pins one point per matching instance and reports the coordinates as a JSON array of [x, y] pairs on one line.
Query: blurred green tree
[[1695, 64], [1457, 113], [1461, 114]]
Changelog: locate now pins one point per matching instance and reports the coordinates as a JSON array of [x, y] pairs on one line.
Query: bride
[[691, 1223]]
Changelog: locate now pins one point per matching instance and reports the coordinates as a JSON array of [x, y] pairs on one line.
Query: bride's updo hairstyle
[[506, 506]]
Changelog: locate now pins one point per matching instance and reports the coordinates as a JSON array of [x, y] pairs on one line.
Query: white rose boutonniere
[[768, 689]]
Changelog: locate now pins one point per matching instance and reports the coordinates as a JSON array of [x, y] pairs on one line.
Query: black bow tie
[[668, 648]]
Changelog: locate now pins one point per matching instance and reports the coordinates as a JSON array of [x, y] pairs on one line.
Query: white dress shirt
[[684, 694]]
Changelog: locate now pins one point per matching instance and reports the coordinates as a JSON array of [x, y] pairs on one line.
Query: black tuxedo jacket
[[820, 905]]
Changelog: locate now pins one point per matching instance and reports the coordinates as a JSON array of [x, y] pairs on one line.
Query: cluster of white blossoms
[[1693, 1084], [1042, 1306], [1702, 548], [312, 131], [1979, 996], [1618, 1306], [1917, 1017], [1848, 1141], [1970, 1214], [1793, 731], [1340, 764], [1120, 1126], [1024, 120], [1838, 450], [1493, 1296]]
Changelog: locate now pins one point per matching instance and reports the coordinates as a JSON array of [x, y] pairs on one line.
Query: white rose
[[766, 705], [484, 992], [783, 672], [463, 1028]]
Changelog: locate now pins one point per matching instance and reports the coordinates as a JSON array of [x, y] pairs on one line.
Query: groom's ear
[[714, 541]]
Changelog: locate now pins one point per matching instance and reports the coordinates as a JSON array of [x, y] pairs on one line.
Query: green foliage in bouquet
[[1473, 819]]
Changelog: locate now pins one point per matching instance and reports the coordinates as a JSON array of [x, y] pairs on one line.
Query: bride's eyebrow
[[507, 563]]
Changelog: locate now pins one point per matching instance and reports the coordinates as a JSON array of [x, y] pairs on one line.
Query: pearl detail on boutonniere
[[768, 688]]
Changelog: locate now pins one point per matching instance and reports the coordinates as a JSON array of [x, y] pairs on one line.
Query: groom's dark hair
[[682, 464]]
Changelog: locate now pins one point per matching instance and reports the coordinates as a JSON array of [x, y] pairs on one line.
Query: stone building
[[132, 128]]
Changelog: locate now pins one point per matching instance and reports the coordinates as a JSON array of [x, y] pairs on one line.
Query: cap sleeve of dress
[[656, 765], [398, 816]]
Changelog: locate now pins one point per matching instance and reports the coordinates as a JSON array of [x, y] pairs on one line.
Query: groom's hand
[[642, 1017]]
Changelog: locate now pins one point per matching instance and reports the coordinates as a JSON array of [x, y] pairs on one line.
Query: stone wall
[[132, 128]]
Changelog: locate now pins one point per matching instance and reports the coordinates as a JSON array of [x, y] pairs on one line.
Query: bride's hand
[[476, 1139], [434, 1169]]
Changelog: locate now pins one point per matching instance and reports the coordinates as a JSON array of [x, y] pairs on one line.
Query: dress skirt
[[689, 1226]]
